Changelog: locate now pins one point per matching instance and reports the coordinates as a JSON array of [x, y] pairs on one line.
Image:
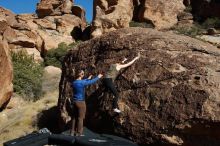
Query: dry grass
[[20, 121]]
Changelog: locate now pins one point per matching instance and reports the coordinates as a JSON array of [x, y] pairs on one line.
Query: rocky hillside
[[110, 15], [165, 96], [113, 14], [54, 23]]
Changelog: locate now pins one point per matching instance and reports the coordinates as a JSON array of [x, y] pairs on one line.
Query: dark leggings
[[108, 82]]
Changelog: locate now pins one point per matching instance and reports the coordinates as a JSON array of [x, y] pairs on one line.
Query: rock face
[[110, 15], [54, 7], [187, 2], [206, 8], [171, 94], [80, 12], [213, 39], [160, 13], [51, 79], [5, 17], [36, 35], [185, 19], [6, 74]]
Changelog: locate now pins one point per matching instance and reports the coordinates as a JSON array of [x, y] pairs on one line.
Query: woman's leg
[[73, 126], [110, 85], [81, 105], [74, 117]]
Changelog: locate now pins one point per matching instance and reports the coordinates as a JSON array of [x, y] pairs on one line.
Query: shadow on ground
[[49, 119]]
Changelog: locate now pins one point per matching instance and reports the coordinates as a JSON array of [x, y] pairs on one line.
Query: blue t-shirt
[[79, 88]]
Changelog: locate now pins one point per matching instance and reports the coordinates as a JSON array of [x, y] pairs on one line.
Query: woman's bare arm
[[120, 66]]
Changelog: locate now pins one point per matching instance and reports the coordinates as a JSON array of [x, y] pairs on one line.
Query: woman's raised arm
[[120, 66]]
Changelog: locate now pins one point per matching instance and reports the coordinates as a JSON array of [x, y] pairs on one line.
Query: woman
[[79, 101], [110, 76]]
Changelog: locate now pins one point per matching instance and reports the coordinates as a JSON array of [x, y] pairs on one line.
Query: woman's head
[[79, 73], [120, 60]]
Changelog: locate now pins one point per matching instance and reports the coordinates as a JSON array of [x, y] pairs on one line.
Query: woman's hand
[[138, 56], [123, 61], [90, 77], [100, 75]]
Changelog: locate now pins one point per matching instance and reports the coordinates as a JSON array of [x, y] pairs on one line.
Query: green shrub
[[211, 22], [54, 57], [198, 28], [189, 31], [27, 76], [188, 9], [141, 24]]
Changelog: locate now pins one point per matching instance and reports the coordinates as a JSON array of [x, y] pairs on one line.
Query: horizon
[[29, 6]]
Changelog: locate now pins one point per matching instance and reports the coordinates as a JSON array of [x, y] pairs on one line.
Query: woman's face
[[82, 74]]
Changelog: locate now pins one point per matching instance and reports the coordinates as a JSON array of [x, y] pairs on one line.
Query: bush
[[188, 9], [54, 57], [190, 30], [27, 76], [199, 27], [211, 22], [141, 24]]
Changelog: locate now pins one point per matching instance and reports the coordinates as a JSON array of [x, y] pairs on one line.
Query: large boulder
[[7, 18], [9, 34], [3, 24], [111, 15], [66, 23], [51, 78], [6, 74], [32, 52], [29, 19], [161, 13], [79, 12], [8, 15], [29, 31], [23, 41], [206, 8], [171, 94], [19, 33], [52, 38], [49, 31], [45, 24], [54, 7]]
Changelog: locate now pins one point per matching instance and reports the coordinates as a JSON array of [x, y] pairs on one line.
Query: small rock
[[211, 31]]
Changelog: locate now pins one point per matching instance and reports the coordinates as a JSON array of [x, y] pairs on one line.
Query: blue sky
[[29, 6]]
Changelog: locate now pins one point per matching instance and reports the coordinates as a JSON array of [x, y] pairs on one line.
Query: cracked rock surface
[[170, 95]]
